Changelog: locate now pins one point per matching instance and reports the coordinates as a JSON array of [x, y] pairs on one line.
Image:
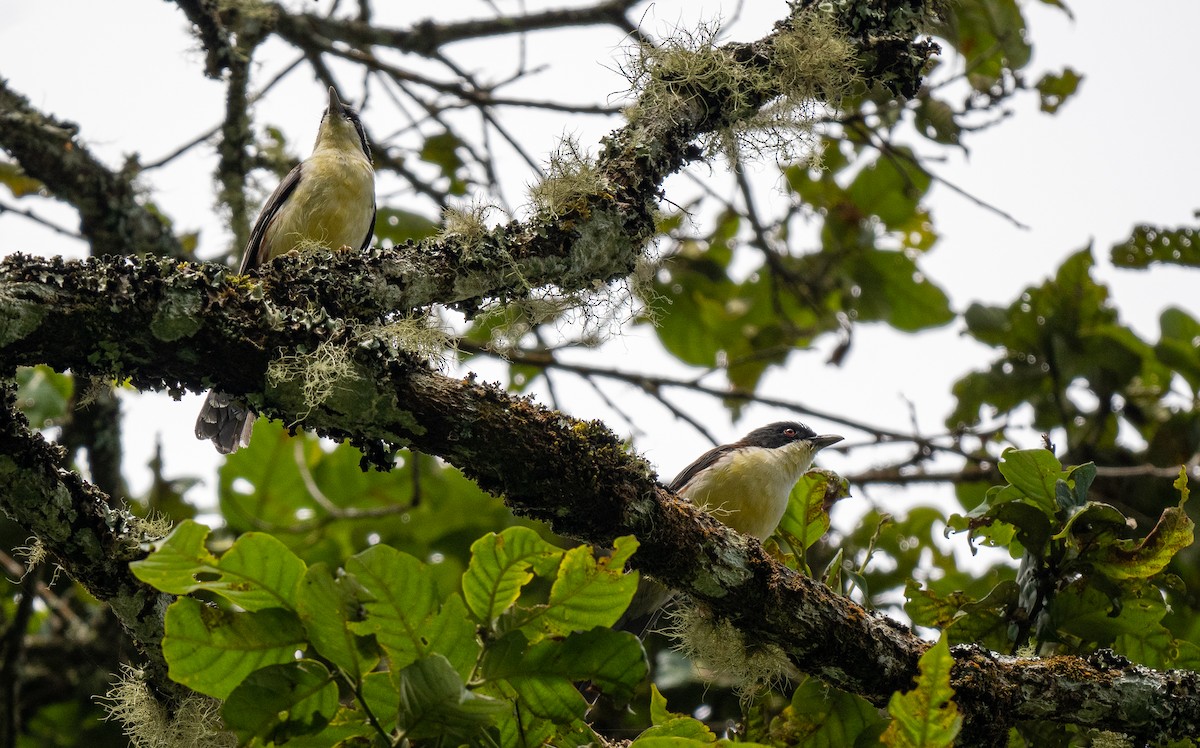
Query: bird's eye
[[789, 432]]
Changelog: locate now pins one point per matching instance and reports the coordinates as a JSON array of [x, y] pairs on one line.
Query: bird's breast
[[332, 206], [748, 489]]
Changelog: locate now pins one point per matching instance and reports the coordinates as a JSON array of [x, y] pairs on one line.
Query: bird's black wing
[[705, 460], [255, 254], [370, 229]]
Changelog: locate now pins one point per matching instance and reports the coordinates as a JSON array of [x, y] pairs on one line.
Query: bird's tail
[[225, 420]]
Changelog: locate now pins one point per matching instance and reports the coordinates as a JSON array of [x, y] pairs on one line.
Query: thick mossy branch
[[93, 541], [48, 150]]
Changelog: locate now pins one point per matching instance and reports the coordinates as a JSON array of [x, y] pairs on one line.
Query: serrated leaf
[[435, 703], [926, 717], [806, 519], [212, 651], [500, 566], [326, 606], [402, 601], [1128, 559], [451, 633], [587, 592], [820, 716], [279, 702], [256, 573], [1034, 473], [544, 673]]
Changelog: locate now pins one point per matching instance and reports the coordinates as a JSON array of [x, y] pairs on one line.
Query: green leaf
[[394, 226], [442, 150], [43, 394], [1155, 647], [934, 119], [991, 37], [1056, 89], [434, 703], [326, 606], [1179, 344], [256, 573], [1129, 559], [1153, 244], [212, 650], [381, 695], [962, 618], [17, 181], [589, 592], [894, 290], [544, 673], [1081, 612], [500, 567], [820, 716], [281, 701], [671, 730], [452, 634], [807, 517], [925, 717], [891, 187], [400, 604], [1034, 472]]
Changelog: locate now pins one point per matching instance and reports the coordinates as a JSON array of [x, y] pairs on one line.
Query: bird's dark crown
[[775, 435], [350, 114]]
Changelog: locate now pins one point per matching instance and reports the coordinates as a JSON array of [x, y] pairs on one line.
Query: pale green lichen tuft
[[418, 334], [318, 372], [572, 179], [718, 647], [467, 224], [194, 723], [812, 66]]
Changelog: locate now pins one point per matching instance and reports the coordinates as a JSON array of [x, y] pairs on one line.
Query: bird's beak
[[820, 442], [335, 104]]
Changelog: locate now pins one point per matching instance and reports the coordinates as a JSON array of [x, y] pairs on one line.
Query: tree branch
[[110, 216]]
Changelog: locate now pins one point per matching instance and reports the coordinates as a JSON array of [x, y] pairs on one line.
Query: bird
[[327, 200], [744, 485]]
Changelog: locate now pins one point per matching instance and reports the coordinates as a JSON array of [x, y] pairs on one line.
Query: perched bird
[[327, 200], [746, 484]]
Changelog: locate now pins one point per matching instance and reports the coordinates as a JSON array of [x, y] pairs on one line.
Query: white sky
[[1123, 151]]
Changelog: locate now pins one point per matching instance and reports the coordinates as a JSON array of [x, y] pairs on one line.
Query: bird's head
[[787, 434], [341, 128]]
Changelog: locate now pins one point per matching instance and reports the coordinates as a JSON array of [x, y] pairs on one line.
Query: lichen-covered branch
[[48, 150], [74, 522]]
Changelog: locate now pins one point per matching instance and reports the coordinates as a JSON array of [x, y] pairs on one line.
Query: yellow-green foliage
[[195, 723]]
